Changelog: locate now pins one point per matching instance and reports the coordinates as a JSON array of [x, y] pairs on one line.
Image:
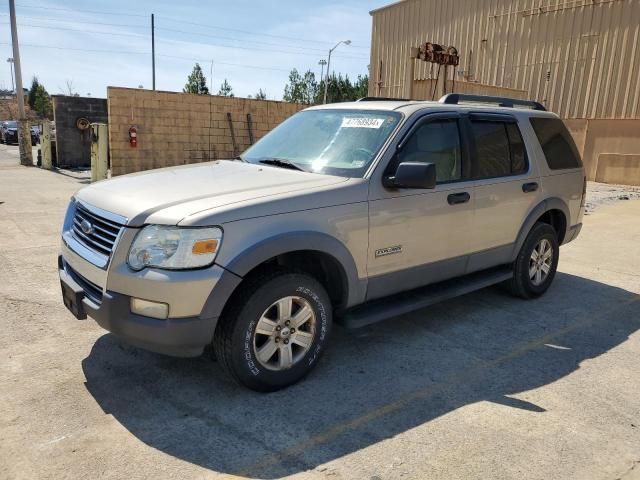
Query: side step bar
[[405, 302]]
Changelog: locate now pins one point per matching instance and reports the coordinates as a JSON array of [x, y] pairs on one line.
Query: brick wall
[[179, 128]]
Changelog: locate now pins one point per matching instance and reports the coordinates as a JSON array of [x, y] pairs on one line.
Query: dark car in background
[[9, 133]]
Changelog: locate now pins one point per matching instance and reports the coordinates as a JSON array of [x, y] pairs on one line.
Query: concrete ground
[[485, 386]]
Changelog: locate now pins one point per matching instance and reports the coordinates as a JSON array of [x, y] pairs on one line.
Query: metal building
[[581, 58]]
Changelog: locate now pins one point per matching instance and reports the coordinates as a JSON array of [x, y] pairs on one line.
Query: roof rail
[[382, 99], [456, 98]]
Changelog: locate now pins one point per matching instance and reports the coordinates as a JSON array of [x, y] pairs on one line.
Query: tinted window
[[500, 150], [556, 142], [492, 158], [436, 142], [518, 152]]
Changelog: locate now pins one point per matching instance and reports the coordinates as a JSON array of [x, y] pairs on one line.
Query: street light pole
[[326, 82], [13, 86], [24, 136]]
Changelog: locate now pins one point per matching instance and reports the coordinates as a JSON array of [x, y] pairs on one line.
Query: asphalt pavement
[[484, 386]]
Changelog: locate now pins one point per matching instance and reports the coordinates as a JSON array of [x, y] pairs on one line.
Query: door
[[421, 236], [506, 188]]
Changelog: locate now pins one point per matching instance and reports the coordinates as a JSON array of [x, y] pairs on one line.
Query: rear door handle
[[529, 187], [456, 198]]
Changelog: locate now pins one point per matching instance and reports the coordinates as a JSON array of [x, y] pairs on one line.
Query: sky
[[253, 44]]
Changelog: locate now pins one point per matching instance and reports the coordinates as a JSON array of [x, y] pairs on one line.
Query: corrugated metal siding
[[590, 47]]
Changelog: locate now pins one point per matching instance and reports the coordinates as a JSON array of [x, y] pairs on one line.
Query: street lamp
[[10, 61], [326, 82], [322, 63]]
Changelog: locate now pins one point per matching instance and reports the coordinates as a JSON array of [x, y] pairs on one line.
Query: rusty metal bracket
[[233, 135], [250, 128]]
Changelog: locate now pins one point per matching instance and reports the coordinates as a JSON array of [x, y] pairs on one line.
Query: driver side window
[[436, 142]]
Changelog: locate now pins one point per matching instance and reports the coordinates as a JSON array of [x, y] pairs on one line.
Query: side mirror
[[412, 175]]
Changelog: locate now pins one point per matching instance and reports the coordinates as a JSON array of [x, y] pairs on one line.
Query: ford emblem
[[86, 227]]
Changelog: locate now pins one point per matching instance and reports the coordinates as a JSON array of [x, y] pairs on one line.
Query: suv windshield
[[333, 142]]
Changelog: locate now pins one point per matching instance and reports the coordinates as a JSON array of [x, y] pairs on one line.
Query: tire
[[530, 278], [255, 344]]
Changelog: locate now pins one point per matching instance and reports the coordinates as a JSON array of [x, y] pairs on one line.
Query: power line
[[128, 52], [213, 27], [253, 48], [40, 7], [218, 45], [246, 32], [51, 19], [235, 39]]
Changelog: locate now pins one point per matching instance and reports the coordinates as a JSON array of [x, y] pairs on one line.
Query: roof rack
[[382, 99], [456, 98]]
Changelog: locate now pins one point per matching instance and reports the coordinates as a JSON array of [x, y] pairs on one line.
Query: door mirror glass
[[412, 175]]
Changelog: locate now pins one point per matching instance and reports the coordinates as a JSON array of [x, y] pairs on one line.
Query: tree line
[[301, 88]]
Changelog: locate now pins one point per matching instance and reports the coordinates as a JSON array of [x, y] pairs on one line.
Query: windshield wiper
[[281, 162]]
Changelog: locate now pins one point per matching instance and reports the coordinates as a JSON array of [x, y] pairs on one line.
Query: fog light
[[149, 309]]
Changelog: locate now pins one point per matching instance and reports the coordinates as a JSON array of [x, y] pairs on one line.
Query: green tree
[[225, 89], [301, 88], [42, 102], [341, 89], [31, 99], [196, 82], [261, 95]]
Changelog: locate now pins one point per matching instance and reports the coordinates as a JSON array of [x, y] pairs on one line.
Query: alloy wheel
[[540, 262], [285, 333]]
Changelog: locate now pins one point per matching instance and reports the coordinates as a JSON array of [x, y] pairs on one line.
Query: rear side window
[[500, 150], [556, 142]]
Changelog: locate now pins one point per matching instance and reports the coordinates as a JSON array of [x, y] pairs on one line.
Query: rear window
[[556, 142]]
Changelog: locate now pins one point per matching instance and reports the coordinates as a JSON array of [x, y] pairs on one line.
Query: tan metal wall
[[591, 48]]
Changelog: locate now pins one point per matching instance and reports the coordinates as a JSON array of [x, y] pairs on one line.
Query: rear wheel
[[275, 330], [535, 266]]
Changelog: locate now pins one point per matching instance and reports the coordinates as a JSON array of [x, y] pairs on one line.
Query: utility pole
[[24, 135], [322, 62], [211, 79], [153, 51]]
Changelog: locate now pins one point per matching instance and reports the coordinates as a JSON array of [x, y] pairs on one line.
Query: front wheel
[[535, 266], [275, 330]]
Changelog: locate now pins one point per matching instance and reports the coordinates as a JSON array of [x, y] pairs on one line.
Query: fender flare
[[547, 204], [249, 258]]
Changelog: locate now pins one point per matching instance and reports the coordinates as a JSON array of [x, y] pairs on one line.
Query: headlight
[[174, 248]]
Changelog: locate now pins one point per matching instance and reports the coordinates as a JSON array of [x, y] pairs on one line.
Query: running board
[[405, 302]]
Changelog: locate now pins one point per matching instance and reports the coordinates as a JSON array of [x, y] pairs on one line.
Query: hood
[[182, 191]]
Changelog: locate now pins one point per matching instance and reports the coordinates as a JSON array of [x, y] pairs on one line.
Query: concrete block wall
[[73, 146], [179, 128]]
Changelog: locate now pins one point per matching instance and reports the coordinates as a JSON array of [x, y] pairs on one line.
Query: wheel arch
[[553, 211], [316, 253]]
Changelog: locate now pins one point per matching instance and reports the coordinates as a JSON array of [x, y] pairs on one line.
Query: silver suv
[[356, 211]]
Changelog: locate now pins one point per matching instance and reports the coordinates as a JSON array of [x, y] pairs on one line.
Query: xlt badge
[[381, 252]]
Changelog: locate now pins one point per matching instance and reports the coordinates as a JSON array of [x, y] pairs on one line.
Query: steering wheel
[[367, 154]]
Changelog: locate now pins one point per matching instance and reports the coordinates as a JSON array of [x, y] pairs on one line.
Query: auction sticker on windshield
[[362, 122]]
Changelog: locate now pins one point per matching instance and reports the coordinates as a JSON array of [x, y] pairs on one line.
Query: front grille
[[92, 291], [102, 235]]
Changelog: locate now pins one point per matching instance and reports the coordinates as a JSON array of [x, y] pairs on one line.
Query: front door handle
[[456, 198], [529, 187]]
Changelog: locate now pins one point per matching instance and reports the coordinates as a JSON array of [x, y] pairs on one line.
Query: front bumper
[[180, 337]]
